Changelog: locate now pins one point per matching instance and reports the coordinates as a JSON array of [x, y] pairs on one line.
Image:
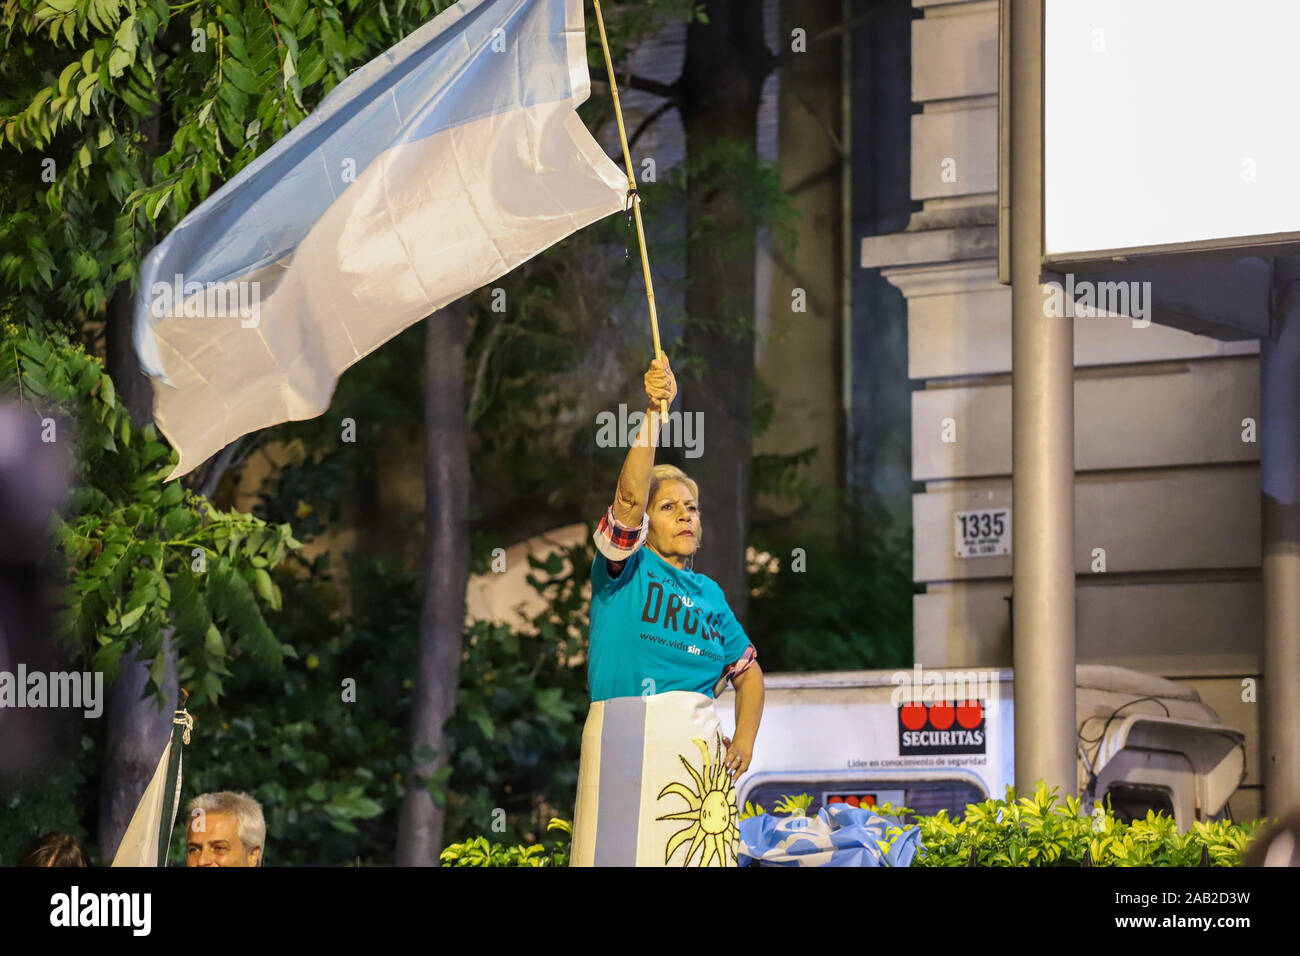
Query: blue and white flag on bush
[[840, 835], [429, 172]]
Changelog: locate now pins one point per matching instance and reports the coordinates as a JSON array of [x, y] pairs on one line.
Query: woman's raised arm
[[634, 480]]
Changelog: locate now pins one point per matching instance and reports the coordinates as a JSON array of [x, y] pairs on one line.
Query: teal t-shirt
[[656, 629]]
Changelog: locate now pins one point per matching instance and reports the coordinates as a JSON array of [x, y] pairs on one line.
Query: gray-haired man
[[225, 829]]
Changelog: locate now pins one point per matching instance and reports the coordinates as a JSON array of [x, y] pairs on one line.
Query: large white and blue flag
[[840, 835], [428, 173]]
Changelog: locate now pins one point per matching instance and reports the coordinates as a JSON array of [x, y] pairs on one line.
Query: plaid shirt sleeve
[[734, 670], [617, 541]]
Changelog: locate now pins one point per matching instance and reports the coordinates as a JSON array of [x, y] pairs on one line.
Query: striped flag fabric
[[431, 171], [653, 789], [149, 832]]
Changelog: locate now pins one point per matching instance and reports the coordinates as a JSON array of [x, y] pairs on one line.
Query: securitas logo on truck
[[941, 727]]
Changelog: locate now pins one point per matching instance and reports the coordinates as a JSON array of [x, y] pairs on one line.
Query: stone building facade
[[1167, 492]]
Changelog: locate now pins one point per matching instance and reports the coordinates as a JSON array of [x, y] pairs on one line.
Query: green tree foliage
[[327, 759], [142, 555], [116, 118], [119, 116], [43, 799], [724, 166], [1041, 830], [523, 697], [628, 22], [321, 744], [833, 600]]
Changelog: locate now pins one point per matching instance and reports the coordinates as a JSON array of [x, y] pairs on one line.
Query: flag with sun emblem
[[652, 786]]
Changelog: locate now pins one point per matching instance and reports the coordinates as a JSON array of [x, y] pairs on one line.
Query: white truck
[[941, 739]]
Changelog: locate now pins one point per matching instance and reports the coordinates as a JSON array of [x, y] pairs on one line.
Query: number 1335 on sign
[[982, 534]]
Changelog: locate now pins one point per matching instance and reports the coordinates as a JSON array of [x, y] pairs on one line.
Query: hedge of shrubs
[[478, 851], [1026, 831]]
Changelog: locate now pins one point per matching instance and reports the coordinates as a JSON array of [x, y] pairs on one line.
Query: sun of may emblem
[[710, 808]]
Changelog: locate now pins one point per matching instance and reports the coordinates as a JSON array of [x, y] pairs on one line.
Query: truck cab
[[944, 738]]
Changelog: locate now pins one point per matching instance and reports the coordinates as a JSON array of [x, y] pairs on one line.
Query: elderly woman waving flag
[[655, 784]]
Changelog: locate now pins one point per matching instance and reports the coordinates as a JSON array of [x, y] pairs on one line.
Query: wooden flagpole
[[636, 197], [181, 725]]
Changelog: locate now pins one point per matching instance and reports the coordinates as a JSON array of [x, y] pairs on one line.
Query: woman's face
[[674, 521]]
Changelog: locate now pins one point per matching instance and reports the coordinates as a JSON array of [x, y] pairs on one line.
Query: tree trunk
[[131, 384], [137, 728], [442, 619], [721, 83]]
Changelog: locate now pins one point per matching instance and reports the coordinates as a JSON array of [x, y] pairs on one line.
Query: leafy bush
[[1029, 831], [1039, 831], [794, 806], [478, 851]]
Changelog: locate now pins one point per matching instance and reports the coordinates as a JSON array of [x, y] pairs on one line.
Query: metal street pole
[[1042, 470], [1279, 477]]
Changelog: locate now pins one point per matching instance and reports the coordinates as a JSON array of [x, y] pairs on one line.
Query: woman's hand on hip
[[739, 754]]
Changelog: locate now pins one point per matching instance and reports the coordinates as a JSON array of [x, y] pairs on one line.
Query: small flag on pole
[[149, 833], [431, 171]]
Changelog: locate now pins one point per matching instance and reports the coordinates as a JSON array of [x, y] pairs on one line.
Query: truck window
[[1131, 801], [923, 797]]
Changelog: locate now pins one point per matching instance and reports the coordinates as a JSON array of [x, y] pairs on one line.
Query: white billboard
[[1169, 124]]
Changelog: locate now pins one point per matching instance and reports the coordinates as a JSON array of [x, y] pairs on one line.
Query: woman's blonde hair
[[661, 473]]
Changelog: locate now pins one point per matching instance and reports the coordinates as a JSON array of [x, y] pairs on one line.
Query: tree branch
[[217, 467], [779, 60], [646, 123], [669, 90], [830, 133], [480, 372], [251, 444]]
